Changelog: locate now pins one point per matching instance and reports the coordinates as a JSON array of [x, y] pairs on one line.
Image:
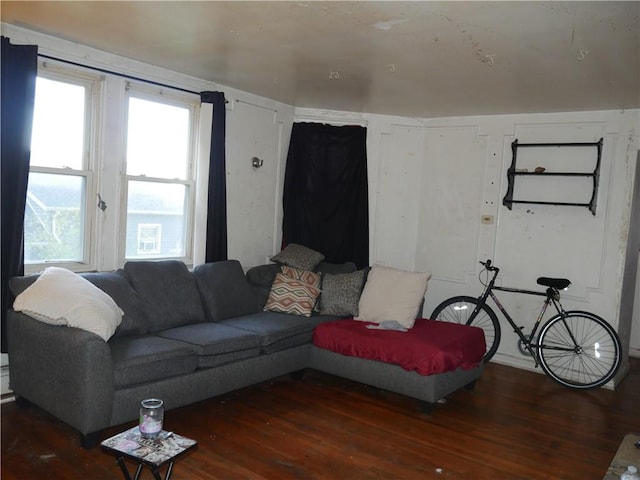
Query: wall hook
[[256, 162]]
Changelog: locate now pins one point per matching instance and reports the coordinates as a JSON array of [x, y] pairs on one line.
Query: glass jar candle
[[151, 417]]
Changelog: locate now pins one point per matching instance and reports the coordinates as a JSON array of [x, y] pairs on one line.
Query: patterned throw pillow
[[298, 256], [341, 293], [289, 295], [306, 276]]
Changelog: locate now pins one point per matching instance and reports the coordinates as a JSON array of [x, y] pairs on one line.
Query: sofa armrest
[[66, 371]]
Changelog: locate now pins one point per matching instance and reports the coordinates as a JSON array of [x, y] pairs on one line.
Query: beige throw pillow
[[61, 297], [392, 294]]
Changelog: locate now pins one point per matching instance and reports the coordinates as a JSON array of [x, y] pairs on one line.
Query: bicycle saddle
[[559, 283]]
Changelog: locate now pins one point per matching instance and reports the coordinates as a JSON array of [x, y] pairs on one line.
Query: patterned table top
[[626, 455], [153, 452]]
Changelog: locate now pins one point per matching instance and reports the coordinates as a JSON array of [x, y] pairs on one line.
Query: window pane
[[157, 139], [156, 220], [54, 218], [57, 139]]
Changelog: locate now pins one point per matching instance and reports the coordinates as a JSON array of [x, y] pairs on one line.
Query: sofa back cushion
[[115, 284], [135, 320], [17, 285], [62, 297], [261, 278], [225, 290], [168, 291]]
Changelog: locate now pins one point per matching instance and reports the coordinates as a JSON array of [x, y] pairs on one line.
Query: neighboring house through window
[[149, 238]]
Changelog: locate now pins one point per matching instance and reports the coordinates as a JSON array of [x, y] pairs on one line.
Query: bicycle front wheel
[[460, 309], [579, 350]]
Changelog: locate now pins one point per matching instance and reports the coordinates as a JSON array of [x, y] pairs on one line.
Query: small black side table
[[153, 453]]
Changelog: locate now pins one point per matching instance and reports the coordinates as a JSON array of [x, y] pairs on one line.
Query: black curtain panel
[[216, 243], [325, 197], [19, 69]]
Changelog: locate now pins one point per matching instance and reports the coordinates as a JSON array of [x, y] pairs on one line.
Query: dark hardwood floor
[[515, 425]]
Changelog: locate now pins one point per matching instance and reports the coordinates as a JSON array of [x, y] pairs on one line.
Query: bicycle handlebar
[[488, 266]]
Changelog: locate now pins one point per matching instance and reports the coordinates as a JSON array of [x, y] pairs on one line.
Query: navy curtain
[[325, 197], [19, 69], [216, 243]]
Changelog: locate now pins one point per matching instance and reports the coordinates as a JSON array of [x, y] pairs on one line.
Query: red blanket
[[430, 347]]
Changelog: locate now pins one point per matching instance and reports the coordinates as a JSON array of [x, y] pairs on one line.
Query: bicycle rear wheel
[[579, 350], [459, 310]]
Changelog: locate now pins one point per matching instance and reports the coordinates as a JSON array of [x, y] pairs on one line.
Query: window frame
[[93, 85], [145, 92]]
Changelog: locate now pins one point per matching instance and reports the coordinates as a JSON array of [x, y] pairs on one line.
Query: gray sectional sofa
[[185, 336]]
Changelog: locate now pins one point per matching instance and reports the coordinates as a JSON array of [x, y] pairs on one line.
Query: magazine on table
[[151, 450]]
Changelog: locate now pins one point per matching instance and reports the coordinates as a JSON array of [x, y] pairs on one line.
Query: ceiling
[[417, 58]]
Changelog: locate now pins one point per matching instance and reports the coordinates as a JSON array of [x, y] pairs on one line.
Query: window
[[60, 178], [159, 166], [103, 190]]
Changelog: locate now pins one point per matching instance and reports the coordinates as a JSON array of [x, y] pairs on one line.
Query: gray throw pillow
[[298, 256], [333, 268], [341, 293]]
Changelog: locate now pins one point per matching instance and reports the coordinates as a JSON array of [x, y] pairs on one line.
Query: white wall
[[630, 297], [432, 180], [254, 195], [634, 343]]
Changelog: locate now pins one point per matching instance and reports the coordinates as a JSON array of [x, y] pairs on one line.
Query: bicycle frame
[[552, 296]]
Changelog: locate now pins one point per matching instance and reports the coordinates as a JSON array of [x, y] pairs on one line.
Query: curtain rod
[[118, 74]]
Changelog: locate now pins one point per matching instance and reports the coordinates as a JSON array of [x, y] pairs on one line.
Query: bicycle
[[577, 349]]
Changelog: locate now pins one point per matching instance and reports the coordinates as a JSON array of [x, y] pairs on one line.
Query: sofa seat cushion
[[213, 338], [225, 290], [148, 358], [209, 361], [169, 292], [274, 328], [429, 348], [216, 344], [299, 339]]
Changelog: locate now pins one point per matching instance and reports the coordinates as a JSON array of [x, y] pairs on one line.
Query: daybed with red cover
[[427, 362]]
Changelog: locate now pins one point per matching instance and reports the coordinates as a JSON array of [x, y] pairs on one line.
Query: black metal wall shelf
[[512, 173]]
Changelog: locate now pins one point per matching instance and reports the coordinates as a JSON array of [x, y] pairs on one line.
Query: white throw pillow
[[392, 294], [61, 297]]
